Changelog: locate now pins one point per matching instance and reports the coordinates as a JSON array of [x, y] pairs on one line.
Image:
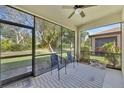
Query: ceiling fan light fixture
[[78, 11]]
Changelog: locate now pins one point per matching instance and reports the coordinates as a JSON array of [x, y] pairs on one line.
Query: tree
[[47, 34], [51, 36], [7, 13], [85, 41], [5, 45], [16, 35], [68, 39], [111, 49]]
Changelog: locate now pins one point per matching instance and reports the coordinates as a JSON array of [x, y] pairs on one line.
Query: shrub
[[5, 45], [112, 51], [85, 55], [16, 47]]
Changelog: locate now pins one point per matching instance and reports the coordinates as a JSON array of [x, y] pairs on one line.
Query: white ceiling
[[59, 15]]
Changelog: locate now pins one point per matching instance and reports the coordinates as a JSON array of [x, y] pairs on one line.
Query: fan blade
[[68, 7], [71, 14], [82, 14], [86, 6]]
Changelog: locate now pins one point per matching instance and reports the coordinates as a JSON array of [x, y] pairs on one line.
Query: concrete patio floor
[[82, 76]]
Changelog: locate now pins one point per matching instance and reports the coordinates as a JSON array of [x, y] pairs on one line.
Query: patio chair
[[56, 61], [70, 58]]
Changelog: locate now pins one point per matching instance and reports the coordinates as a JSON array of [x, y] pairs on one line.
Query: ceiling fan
[[77, 9]]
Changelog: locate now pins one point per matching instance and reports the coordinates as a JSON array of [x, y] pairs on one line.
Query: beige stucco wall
[[93, 44], [93, 40], [77, 44]]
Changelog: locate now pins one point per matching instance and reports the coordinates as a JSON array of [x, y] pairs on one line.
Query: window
[[99, 42]]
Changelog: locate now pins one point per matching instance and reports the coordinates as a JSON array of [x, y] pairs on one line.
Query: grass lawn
[[18, 62], [14, 63], [101, 59]]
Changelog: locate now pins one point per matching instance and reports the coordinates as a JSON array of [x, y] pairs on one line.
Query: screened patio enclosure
[[102, 45], [30, 35], [27, 43]]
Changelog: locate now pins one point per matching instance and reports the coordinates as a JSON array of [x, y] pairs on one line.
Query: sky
[[103, 28]]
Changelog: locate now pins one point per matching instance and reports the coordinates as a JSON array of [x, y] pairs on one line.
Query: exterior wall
[[102, 36], [93, 44]]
